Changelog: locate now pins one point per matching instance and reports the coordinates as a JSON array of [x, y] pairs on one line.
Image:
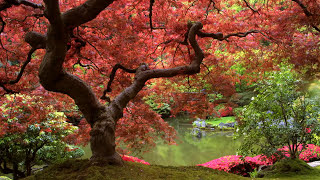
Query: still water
[[192, 149]]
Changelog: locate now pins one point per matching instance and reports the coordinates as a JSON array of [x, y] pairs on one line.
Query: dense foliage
[[281, 114], [72, 46], [29, 139]]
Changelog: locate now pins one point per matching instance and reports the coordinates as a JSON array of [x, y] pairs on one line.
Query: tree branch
[[111, 78], [36, 40], [9, 3], [221, 37], [214, 6], [6, 89], [307, 13], [248, 5], [315, 27], [150, 14], [143, 74], [22, 68], [84, 13], [303, 7]]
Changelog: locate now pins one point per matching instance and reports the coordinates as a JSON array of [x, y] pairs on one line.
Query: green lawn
[[217, 121]]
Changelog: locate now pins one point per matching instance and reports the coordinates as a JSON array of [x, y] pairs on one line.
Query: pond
[[193, 149], [190, 149]]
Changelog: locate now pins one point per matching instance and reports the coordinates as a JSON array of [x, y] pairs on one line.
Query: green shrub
[[280, 115]]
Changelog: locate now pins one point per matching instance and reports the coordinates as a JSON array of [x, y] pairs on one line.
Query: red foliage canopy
[[130, 33]]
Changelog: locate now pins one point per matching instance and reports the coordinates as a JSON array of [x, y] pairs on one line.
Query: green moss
[[289, 168], [81, 169]]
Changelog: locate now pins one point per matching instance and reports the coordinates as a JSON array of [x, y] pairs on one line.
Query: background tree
[[85, 41], [28, 138]]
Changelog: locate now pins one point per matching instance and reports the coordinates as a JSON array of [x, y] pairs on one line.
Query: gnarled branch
[[111, 78], [51, 73]]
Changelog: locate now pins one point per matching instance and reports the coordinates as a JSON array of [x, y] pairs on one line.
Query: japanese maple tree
[[76, 47]]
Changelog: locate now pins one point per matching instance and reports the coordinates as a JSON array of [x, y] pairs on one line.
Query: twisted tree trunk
[[54, 78]]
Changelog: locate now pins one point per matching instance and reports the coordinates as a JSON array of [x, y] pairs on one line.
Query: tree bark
[[54, 78], [102, 141]]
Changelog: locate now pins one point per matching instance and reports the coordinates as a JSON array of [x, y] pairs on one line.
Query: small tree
[[31, 134], [280, 115]]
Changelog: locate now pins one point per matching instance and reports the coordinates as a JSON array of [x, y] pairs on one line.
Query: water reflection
[[195, 146], [197, 132]]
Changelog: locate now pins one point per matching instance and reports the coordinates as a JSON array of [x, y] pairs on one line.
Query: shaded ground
[[81, 170]]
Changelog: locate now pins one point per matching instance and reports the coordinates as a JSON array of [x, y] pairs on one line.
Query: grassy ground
[[81, 170], [217, 121]]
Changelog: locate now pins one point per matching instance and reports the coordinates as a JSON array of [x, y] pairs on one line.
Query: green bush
[[280, 115]]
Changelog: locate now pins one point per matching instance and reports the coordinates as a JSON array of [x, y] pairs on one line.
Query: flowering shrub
[[310, 153], [242, 166], [134, 159], [236, 164], [226, 111]]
